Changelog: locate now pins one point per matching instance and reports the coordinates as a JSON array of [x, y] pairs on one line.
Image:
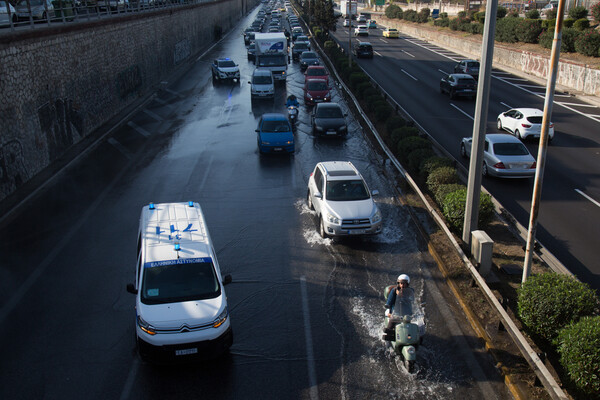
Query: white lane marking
[[461, 110], [312, 376], [122, 149], [383, 40], [173, 92], [378, 54], [443, 72], [505, 105], [580, 105], [130, 379], [163, 103], [139, 129], [505, 80], [588, 197], [408, 53], [153, 115], [409, 75]]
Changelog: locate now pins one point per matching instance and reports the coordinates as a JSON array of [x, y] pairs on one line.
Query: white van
[[262, 84], [181, 306]]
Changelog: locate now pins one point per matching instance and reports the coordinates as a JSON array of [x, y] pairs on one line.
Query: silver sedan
[[504, 156]]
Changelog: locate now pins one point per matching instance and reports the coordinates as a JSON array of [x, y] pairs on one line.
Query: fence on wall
[[33, 14]]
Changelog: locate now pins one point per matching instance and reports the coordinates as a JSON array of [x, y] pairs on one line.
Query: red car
[[316, 91], [316, 72]]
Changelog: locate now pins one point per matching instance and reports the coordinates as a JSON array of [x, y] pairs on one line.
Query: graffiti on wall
[[62, 124], [182, 51], [12, 167], [129, 81]]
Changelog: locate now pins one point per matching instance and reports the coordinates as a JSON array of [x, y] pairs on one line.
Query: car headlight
[[265, 142], [220, 320], [343, 128], [332, 219], [319, 128], [146, 327], [377, 216]]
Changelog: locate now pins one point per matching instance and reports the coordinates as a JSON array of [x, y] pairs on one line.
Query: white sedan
[[504, 156], [361, 30], [523, 123]]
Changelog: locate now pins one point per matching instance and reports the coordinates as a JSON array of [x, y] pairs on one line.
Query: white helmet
[[404, 277]]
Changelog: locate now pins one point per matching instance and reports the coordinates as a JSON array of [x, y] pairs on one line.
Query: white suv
[[342, 200]]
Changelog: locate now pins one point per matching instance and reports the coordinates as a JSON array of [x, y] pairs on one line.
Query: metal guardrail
[[35, 14]]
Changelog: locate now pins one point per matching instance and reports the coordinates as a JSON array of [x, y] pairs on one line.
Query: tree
[[323, 15]]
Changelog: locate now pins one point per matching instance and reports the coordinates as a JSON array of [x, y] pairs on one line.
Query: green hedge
[[394, 122], [505, 30], [549, 302], [441, 176], [567, 44], [578, 12], [579, 347], [454, 209], [581, 24], [417, 157], [528, 30], [410, 144], [383, 110], [588, 43], [431, 164], [401, 133], [393, 11], [446, 189]]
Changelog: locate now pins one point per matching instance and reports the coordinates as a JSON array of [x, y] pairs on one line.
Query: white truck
[[272, 53], [347, 8]]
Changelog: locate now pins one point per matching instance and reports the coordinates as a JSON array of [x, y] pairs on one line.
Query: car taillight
[[533, 166], [499, 165], [526, 125]]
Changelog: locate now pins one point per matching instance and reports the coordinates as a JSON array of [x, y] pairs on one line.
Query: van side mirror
[[227, 279], [375, 192], [131, 289]]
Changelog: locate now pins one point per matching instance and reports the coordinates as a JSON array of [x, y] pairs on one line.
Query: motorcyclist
[[399, 303], [292, 101]]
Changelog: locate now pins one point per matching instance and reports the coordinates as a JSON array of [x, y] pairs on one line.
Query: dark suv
[[363, 50]]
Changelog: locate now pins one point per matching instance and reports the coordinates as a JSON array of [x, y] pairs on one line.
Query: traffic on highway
[[413, 72], [288, 222]]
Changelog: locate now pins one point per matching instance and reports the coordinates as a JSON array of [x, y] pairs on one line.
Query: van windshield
[[174, 281]]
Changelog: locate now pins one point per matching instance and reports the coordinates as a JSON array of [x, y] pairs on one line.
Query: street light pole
[[349, 10], [481, 109], [543, 146]]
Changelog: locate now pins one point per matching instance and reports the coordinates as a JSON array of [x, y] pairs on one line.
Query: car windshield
[[316, 72], [308, 54], [510, 149], [329, 112], [365, 47], [466, 81], [180, 280], [472, 64], [316, 85], [271, 60], [276, 126], [226, 64], [346, 190], [262, 80], [535, 120], [301, 45]]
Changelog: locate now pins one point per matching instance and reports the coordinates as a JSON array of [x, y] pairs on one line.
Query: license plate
[[356, 232], [277, 148], [186, 352]]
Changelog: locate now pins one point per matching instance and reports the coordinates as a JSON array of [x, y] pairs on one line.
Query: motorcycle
[[292, 114], [406, 338]]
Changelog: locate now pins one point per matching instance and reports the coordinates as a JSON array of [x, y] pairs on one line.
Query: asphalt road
[[306, 312], [569, 219]]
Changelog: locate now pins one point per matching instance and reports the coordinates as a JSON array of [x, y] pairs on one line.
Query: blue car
[[275, 134]]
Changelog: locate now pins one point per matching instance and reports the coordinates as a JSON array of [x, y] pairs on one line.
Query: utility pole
[[481, 110], [543, 146]]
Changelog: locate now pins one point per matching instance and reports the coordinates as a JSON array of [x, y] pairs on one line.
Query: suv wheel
[[309, 200], [322, 229]]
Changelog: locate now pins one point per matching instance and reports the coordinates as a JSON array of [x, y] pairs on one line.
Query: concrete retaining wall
[[576, 77], [59, 84]]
